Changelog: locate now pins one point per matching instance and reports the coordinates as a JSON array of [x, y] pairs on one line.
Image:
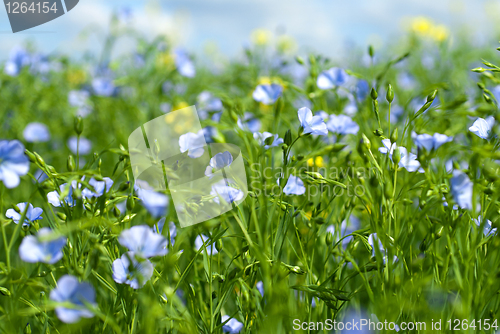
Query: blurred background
[[226, 26]]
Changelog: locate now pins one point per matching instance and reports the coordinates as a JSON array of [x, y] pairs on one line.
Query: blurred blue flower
[[18, 59], [260, 287], [311, 124], [233, 326], [267, 94], [158, 228], [342, 125], [362, 89], [210, 133], [124, 15], [184, 65], [207, 103], [346, 228], [261, 138], [32, 214], [132, 271], [193, 143], [13, 163], [54, 197], [218, 161], [103, 86], [488, 229], [80, 145], [40, 176], [68, 289], [45, 247], [482, 127], [430, 142], [100, 187], [36, 132], [143, 241], [249, 122], [156, 203], [461, 189], [294, 186], [406, 81], [375, 243], [80, 100], [223, 190], [331, 78], [396, 112], [198, 244]]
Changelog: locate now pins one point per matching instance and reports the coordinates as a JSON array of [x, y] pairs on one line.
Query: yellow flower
[[421, 25], [439, 33], [76, 77], [270, 80], [165, 59], [180, 105], [318, 162], [286, 44], [260, 36]]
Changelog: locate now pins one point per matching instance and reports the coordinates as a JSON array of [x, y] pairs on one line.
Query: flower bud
[[70, 164], [130, 203], [288, 137], [366, 142], [39, 159], [31, 156], [61, 216], [394, 135], [379, 132], [390, 94], [284, 147], [4, 291], [371, 52], [299, 60], [396, 156], [78, 125], [432, 96], [218, 245], [373, 94], [27, 329]]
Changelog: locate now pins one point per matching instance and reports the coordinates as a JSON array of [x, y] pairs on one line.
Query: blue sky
[[325, 26]]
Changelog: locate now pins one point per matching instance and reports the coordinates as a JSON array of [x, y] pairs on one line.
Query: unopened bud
[[70, 164], [78, 125], [379, 132], [31, 156], [288, 137], [390, 94], [373, 94], [394, 135], [366, 142], [432, 96], [396, 156]]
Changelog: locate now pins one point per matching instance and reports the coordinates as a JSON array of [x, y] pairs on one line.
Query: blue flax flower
[[461, 189], [311, 124], [408, 160], [80, 100], [66, 191], [45, 247], [261, 138], [294, 186], [482, 127], [32, 214], [223, 190], [193, 143], [13, 163], [488, 229], [70, 290], [158, 229], [249, 122], [100, 187], [132, 271], [267, 94], [143, 241], [342, 125], [198, 244], [183, 63], [103, 86], [80, 145], [430, 142], [331, 78], [260, 287], [218, 161], [36, 132], [18, 59], [156, 203], [207, 103], [233, 326]]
